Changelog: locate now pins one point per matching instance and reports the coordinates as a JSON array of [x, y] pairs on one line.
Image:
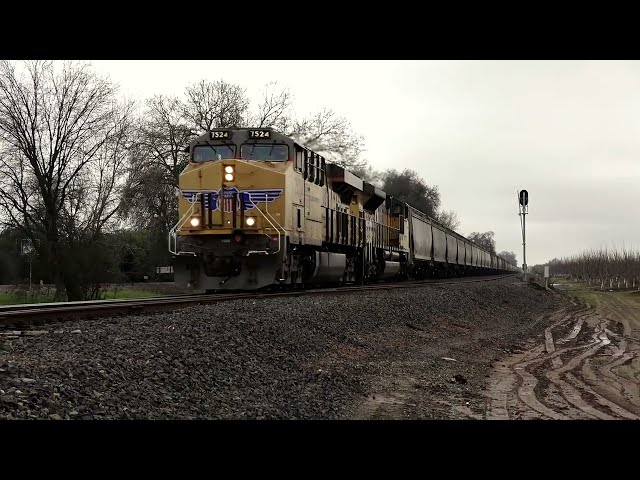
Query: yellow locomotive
[[258, 209]]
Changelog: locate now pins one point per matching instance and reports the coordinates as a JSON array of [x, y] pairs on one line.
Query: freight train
[[258, 209]]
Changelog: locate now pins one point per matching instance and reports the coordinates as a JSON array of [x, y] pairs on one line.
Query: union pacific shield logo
[[223, 199]]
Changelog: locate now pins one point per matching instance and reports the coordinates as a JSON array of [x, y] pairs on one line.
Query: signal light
[[524, 198]]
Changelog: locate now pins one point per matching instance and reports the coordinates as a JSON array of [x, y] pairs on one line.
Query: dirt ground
[[586, 367], [577, 362]]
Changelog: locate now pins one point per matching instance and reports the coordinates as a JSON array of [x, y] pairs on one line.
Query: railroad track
[[39, 313]]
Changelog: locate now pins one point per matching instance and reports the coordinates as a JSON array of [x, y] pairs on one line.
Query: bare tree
[[274, 109], [413, 189], [484, 240], [369, 174], [510, 257], [95, 193], [156, 160], [606, 268], [221, 104], [449, 219], [331, 136], [216, 104], [60, 130]]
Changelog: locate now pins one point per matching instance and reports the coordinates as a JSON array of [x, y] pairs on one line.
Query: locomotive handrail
[[284, 232], [270, 222], [266, 208], [173, 232]]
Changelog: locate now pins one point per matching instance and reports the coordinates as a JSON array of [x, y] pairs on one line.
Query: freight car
[[258, 209]]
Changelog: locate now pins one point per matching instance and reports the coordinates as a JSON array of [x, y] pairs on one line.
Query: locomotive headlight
[[195, 221], [228, 173], [250, 221]]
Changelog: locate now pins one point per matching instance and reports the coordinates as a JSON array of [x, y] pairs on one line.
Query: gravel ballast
[[309, 357]]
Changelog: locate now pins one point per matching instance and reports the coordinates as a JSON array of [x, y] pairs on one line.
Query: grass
[[592, 293], [587, 293], [10, 299]]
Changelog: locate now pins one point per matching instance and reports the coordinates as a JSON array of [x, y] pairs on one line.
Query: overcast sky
[[567, 131]]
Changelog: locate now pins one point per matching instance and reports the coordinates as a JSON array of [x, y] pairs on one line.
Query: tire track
[[504, 386], [576, 380]]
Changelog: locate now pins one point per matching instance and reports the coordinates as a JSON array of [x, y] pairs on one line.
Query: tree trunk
[[70, 273], [61, 293], [56, 264], [73, 287]]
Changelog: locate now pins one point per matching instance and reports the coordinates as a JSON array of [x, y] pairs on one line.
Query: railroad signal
[[524, 198], [523, 209]]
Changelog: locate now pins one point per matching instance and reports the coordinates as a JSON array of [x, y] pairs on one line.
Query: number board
[[219, 134], [259, 134]]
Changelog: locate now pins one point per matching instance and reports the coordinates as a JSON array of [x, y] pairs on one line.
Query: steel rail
[[15, 315]]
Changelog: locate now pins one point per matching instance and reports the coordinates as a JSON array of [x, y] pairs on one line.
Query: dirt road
[[586, 366]]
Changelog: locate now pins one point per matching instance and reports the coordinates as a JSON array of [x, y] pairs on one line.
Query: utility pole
[[523, 209]]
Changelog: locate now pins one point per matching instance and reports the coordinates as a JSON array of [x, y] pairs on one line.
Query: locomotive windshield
[[266, 152], [209, 153]]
